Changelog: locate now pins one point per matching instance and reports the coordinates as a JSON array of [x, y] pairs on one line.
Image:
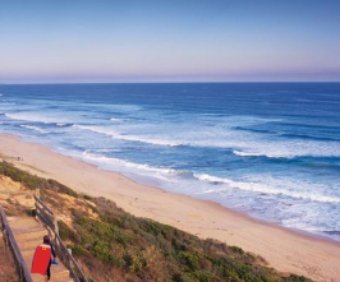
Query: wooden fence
[[23, 271], [45, 214]]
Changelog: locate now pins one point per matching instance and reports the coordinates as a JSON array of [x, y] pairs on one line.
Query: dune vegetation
[[113, 245], [7, 268]]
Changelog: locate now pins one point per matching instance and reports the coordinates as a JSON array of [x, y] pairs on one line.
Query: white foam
[[251, 186], [35, 128], [243, 144], [265, 189], [116, 120], [219, 133], [245, 154], [116, 135], [288, 148], [35, 117], [120, 164]]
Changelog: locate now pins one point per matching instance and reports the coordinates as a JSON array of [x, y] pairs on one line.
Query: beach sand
[[283, 249]]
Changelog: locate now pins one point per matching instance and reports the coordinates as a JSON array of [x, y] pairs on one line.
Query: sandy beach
[[285, 250]]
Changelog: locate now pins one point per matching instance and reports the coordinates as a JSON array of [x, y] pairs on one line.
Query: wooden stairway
[[29, 233]]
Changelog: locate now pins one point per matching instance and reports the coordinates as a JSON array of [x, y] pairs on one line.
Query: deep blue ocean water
[[271, 150]]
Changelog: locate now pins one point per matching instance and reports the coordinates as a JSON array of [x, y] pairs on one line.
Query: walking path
[[28, 233]]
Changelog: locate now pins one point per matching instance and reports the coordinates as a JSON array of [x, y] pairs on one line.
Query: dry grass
[[113, 245], [8, 271]]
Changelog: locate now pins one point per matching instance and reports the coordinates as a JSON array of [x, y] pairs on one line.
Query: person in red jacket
[[47, 241], [42, 259]]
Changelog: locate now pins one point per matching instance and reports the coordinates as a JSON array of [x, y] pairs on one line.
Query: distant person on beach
[[42, 259]]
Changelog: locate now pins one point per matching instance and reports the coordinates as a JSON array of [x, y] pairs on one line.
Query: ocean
[[271, 150]]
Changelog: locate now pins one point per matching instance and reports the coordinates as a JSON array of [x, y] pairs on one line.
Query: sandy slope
[[285, 250]]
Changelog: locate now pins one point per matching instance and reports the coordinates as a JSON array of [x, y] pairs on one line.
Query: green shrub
[[102, 250], [139, 263], [78, 250], [30, 181], [189, 259], [65, 232], [139, 249], [237, 250], [296, 278], [205, 276], [33, 181]]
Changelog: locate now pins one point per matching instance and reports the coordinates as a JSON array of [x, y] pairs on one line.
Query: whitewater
[[269, 150]]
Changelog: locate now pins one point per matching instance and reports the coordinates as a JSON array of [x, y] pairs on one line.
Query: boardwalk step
[[28, 252], [22, 224], [20, 219], [40, 278], [37, 228], [26, 244], [61, 274], [57, 270], [29, 233]]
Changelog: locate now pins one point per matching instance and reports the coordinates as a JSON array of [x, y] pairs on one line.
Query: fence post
[[37, 196], [56, 227], [37, 193], [56, 231]]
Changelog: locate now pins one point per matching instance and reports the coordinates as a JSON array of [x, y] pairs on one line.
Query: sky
[[55, 41]]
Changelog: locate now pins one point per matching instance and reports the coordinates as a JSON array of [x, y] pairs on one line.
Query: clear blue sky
[[169, 40]]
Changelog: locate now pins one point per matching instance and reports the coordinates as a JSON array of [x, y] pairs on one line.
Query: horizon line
[[172, 82]]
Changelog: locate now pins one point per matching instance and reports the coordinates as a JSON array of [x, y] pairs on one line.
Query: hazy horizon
[[174, 82], [164, 42]]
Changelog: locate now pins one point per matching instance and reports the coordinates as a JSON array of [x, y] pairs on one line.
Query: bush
[[188, 259], [65, 232], [102, 250], [33, 181], [78, 250], [117, 244], [30, 181]]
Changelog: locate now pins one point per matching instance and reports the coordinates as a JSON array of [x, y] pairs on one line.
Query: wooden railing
[[46, 215], [23, 271]]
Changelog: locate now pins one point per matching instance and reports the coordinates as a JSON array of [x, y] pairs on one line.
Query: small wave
[[34, 117], [62, 124], [116, 120], [254, 130], [116, 135], [246, 154], [274, 155], [35, 128], [260, 188], [119, 164], [289, 150]]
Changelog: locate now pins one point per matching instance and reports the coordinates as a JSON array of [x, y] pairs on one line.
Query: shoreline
[[285, 249]]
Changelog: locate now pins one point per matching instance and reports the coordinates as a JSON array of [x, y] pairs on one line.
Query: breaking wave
[[261, 188], [134, 138], [35, 117], [35, 128]]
